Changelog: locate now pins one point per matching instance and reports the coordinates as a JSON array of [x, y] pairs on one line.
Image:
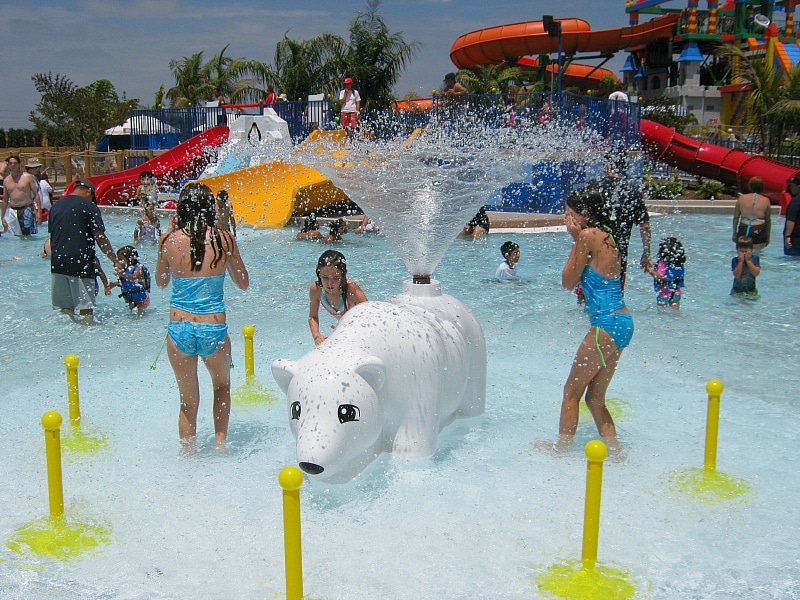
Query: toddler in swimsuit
[[668, 273], [134, 280]]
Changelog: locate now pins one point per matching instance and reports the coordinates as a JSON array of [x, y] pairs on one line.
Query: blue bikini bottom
[[193, 338]]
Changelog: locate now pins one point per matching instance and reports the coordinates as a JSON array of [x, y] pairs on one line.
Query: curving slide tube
[[731, 166]]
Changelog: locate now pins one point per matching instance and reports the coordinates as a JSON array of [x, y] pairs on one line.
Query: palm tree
[[236, 78], [196, 81], [375, 57], [307, 67], [191, 83], [784, 116], [485, 79], [773, 104]]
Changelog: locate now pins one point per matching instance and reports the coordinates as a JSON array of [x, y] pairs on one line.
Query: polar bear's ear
[[372, 369], [284, 371]]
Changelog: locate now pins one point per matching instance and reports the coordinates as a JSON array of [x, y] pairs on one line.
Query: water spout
[[423, 190]]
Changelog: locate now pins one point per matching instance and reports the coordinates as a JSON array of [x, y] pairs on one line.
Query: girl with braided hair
[[196, 255]]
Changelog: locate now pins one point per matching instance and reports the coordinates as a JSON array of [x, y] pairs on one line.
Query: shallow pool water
[[482, 517]]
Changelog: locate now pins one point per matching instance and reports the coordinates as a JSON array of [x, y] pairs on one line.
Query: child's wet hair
[[332, 258], [310, 223], [744, 242], [670, 250], [129, 254], [508, 247], [337, 227]]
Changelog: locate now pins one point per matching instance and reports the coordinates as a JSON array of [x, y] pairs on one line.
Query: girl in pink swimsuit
[[332, 290]]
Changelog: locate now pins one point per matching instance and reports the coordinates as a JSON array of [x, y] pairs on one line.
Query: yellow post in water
[[51, 421], [714, 389], [249, 362], [72, 361], [290, 479], [596, 453]]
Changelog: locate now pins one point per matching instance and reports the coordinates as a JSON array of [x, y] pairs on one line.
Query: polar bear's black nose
[[311, 468]]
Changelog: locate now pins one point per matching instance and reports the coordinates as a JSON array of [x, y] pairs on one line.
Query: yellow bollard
[[51, 421], [714, 389], [249, 362], [290, 479], [72, 361], [596, 453]]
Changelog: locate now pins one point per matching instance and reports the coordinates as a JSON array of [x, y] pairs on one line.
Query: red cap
[[348, 80]]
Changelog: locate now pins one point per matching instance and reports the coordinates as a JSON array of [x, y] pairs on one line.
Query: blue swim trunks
[[193, 338], [619, 325]]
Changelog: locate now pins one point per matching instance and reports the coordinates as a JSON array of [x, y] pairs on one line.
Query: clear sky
[[131, 42]]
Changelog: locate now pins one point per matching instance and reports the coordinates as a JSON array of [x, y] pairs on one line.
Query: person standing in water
[[196, 255], [332, 290], [752, 215], [594, 261]]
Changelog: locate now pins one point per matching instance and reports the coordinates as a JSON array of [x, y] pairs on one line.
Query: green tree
[[665, 111], [773, 102], [72, 115], [375, 58], [191, 81], [307, 67], [783, 117], [158, 100], [231, 77], [485, 79], [606, 86]]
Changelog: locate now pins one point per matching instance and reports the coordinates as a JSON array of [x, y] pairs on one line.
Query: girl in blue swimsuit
[[197, 255], [594, 262], [332, 290]]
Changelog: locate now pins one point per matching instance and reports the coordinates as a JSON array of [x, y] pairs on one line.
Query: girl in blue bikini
[[594, 262], [332, 290], [196, 255]]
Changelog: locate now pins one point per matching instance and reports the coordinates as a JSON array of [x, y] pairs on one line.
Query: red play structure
[[185, 161]]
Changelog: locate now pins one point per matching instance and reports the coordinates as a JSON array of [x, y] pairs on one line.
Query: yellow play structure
[[267, 195]]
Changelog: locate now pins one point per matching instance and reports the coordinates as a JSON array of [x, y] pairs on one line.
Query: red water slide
[[185, 161], [731, 166], [495, 45]]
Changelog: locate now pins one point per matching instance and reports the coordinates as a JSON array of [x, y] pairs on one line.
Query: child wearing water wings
[[668, 273], [134, 280], [507, 270]]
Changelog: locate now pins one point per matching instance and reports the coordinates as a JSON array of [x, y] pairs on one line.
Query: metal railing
[[164, 128]]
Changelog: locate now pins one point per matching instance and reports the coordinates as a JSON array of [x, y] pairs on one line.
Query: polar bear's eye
[[294, 409], [348, 412]]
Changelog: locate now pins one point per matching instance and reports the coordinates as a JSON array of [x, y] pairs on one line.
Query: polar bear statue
[[388, 379]]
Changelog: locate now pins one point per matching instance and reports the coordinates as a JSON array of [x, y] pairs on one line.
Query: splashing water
[[422, 190]]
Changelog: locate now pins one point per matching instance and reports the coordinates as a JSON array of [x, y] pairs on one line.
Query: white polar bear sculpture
[[388, 379]]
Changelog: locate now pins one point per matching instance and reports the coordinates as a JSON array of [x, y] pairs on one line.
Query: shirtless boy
[[21, 192]]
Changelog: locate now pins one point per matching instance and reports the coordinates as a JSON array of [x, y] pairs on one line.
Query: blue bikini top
[[198, 295], [603, 294]]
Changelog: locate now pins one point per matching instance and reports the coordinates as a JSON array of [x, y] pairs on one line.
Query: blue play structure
[[543, 189]]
